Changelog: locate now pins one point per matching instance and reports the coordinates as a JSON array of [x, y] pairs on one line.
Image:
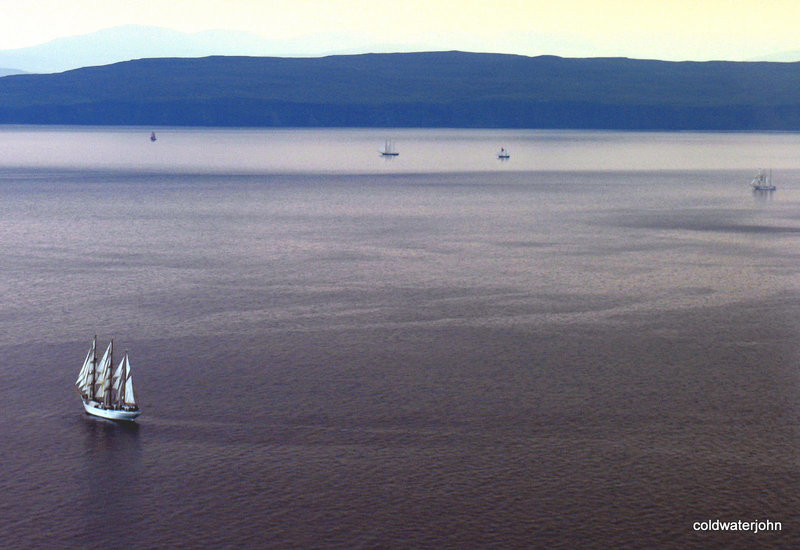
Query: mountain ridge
[[128, 42], [436, 89]]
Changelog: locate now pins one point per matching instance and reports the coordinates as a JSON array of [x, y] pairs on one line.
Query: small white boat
[[105, 393], [389, 150], [503, 153], [763, 181]]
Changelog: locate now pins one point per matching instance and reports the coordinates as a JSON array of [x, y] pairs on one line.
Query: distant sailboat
[[388, 149], [153, 136], [105, 393], [503, 153], [763, 181]]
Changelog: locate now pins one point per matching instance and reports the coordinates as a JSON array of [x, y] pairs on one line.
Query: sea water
[[592, 344]]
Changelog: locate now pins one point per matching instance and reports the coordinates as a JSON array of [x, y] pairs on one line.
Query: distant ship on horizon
[[388, 149], [763, 181]]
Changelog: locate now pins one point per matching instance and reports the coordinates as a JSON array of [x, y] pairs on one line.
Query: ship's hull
[[111, 414]]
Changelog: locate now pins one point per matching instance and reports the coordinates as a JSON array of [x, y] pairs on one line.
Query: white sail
[[84, 381], [118, 381], [103, 375], [122, 384], [130, 395]]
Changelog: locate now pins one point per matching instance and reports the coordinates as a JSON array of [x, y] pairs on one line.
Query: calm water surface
[[594, 344]]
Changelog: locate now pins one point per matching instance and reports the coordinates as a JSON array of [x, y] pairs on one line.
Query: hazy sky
[[664, 29]]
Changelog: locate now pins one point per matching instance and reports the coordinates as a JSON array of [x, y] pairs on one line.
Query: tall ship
[[763, 181], [388, 149], [107, 392]]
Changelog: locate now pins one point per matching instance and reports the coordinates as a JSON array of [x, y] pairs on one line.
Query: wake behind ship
[[106, 394]]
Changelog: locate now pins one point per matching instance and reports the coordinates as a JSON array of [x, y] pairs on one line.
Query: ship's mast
[[94, 368], [124, 374], [108, 377]]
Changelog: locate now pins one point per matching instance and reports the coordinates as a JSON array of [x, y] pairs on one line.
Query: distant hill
[[6, 72], [434, 89], [785, 57], [128, 42]]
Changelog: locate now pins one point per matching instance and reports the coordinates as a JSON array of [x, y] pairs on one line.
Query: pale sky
[[662, 29]]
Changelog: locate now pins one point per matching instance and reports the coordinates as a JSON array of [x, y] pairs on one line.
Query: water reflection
[[763, 194], [110, 434], [113, 480]]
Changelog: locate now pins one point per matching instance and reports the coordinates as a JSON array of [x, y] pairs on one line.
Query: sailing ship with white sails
[[763, 181], [388, 149], [107, 392]]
